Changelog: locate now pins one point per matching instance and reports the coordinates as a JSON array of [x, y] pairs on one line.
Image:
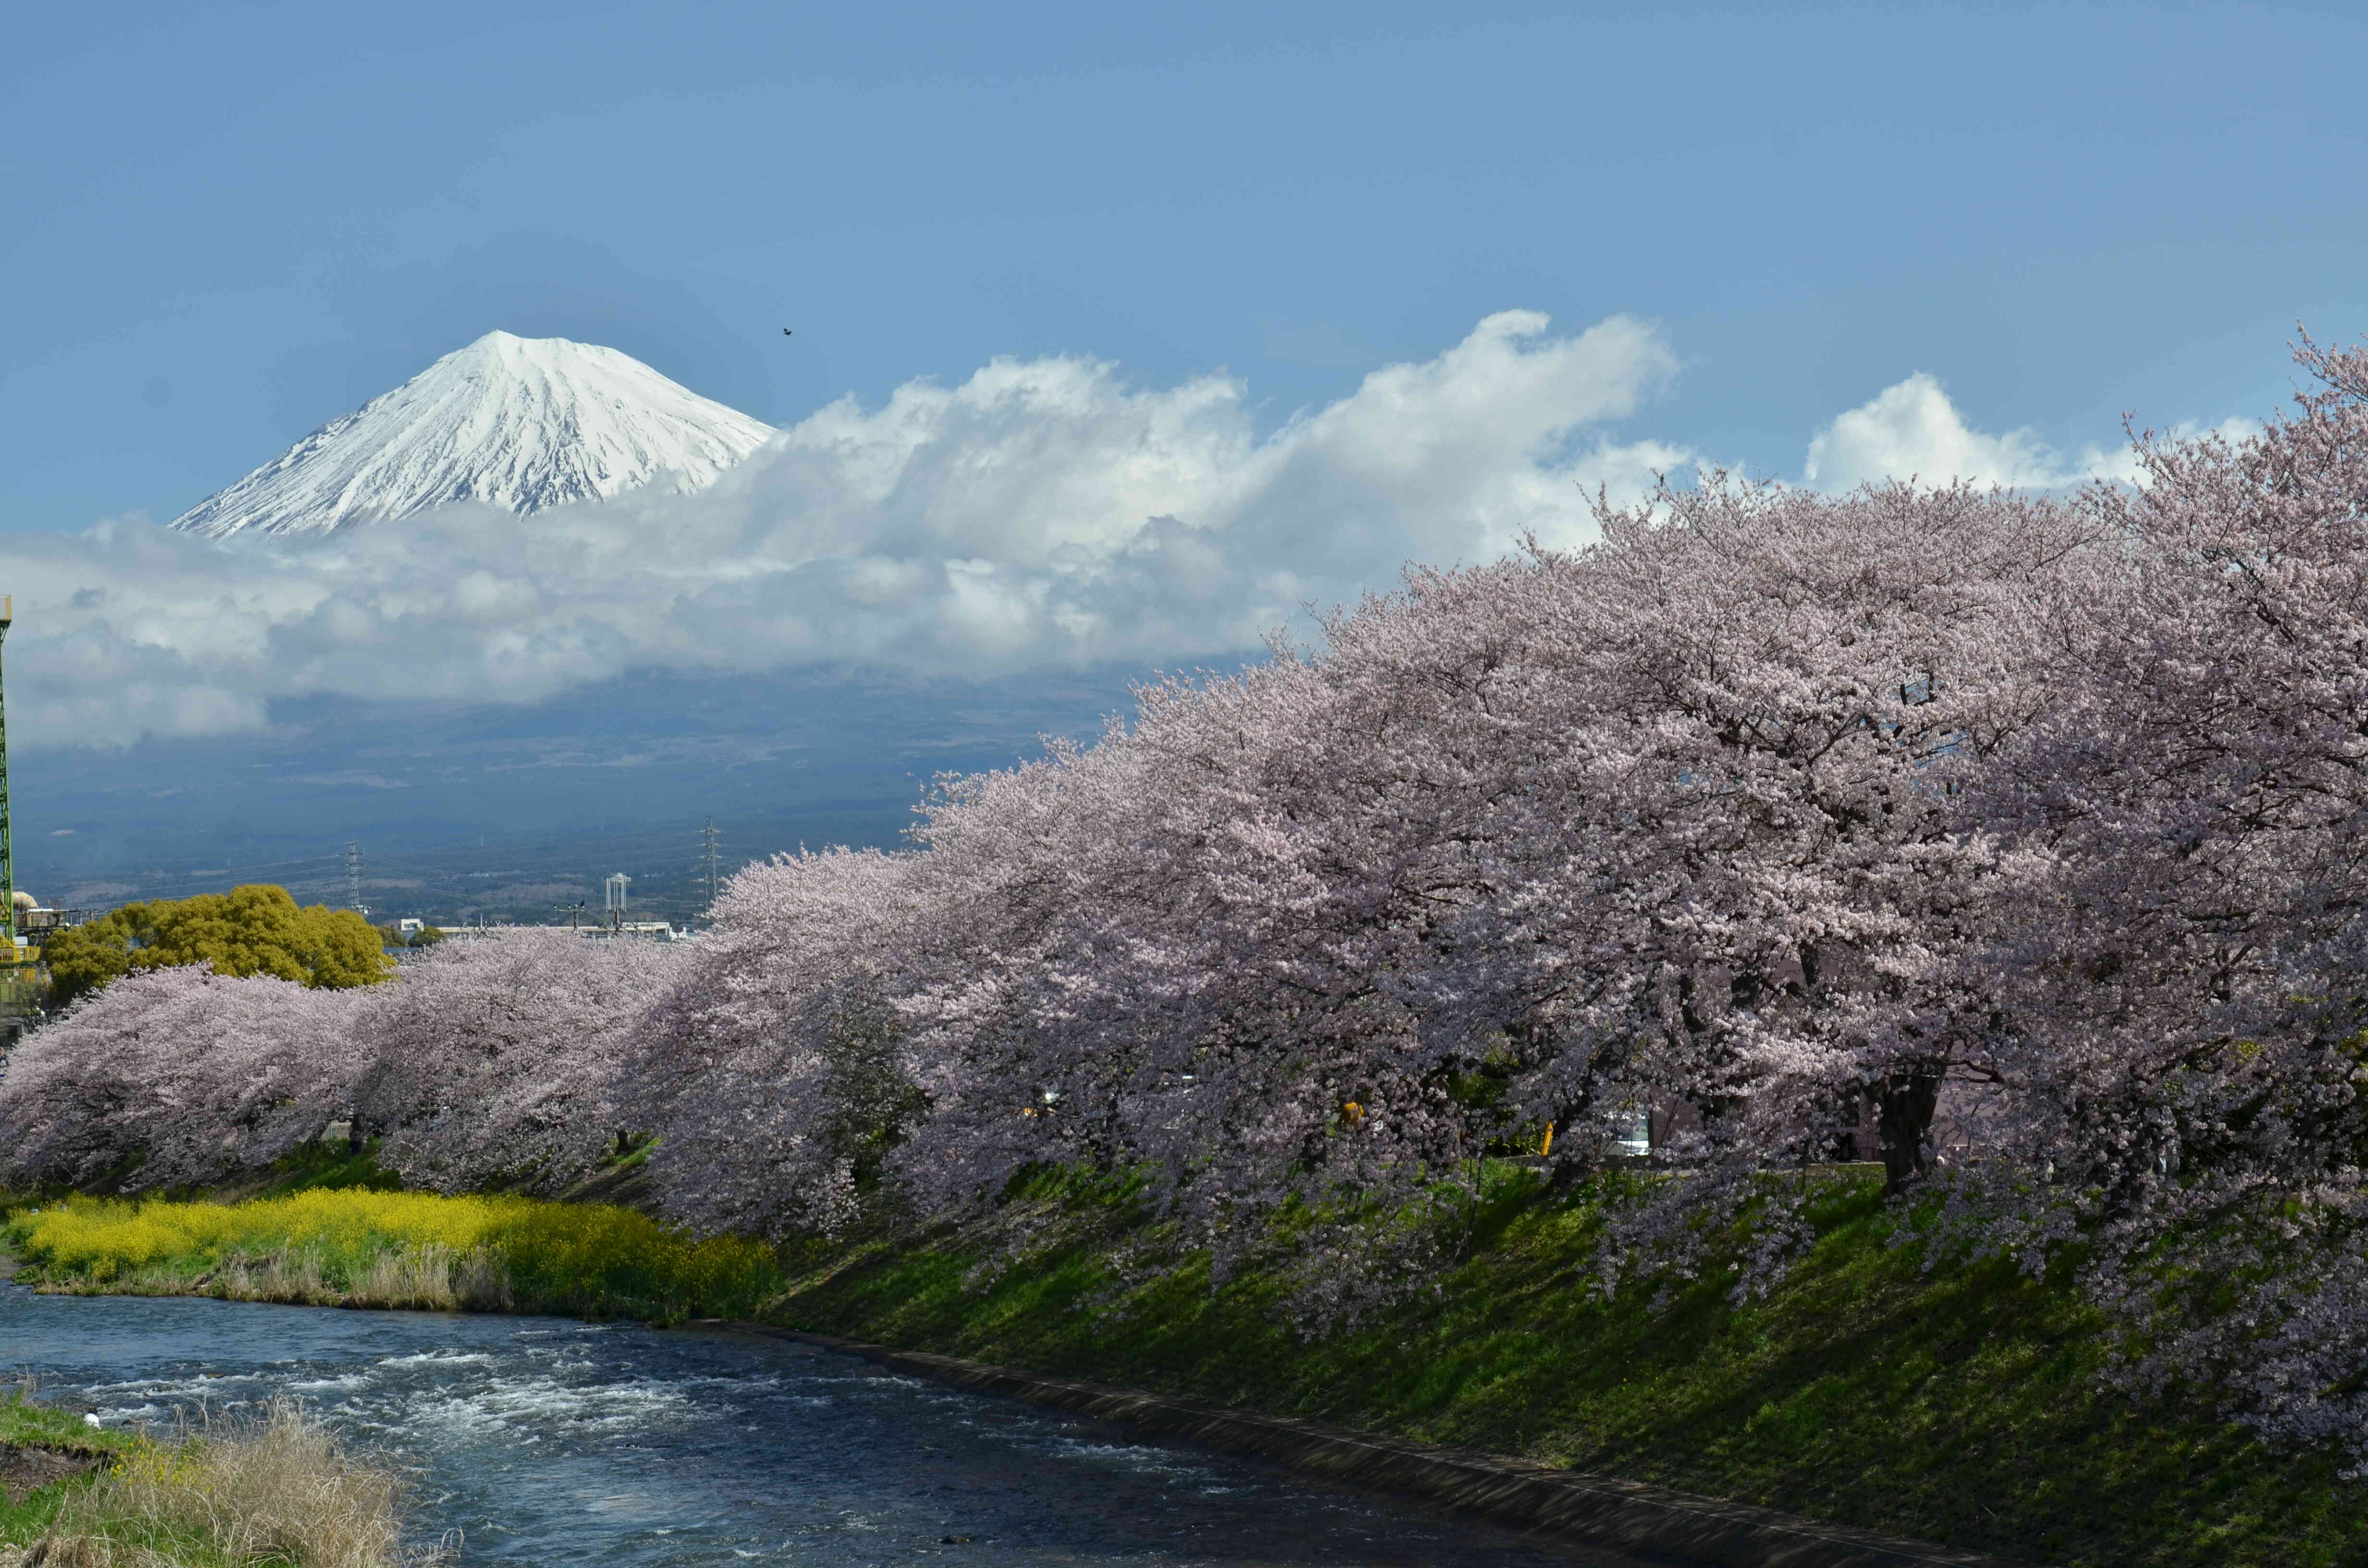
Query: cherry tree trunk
[[1904, 1103]]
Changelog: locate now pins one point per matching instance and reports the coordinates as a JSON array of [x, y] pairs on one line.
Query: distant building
[[652, 930], [33, 917]]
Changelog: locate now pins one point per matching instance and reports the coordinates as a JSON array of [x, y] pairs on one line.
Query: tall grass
[[354, 1247], [276, 1489]]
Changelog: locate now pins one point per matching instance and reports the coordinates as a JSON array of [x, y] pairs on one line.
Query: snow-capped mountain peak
[[521, 423]]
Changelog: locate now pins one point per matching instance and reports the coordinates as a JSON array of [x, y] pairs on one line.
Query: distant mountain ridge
[[520, 423]]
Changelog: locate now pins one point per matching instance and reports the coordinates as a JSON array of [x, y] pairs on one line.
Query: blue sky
[[1164, 321], [230, 223]]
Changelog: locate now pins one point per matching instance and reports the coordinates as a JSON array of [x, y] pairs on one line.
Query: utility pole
[[353, 880], [708, 838], [575, 912]]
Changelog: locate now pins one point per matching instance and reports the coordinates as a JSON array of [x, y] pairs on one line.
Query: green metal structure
[[7, 856], [19, 968]]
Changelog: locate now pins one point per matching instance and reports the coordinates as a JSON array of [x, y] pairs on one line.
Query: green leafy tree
[[250, 930]]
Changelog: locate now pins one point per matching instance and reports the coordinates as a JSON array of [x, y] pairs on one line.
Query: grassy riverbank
[[1960, 1406], [45, 1455], [275, 1492]]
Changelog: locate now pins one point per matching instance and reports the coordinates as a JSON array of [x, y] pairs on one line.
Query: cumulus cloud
[[1911, 430], [1041, 513]]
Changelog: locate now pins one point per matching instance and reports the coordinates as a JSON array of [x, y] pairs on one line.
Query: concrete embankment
[[1593, 1509]]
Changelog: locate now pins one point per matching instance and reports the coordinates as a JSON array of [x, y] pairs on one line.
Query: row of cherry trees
[[2018, 843], [1678, 824], [484, 1062]]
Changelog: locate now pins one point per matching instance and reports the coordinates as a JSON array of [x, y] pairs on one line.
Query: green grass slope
[[1960, 1404], [1961, 1407]]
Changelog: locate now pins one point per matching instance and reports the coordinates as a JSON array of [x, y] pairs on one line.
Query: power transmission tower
[[353, 880], [708, 838]]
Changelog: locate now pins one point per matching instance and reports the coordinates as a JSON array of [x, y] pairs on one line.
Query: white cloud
[[1041, 513], [1911, 430]]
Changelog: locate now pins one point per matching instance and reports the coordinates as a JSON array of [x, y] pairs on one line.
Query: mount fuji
[[520, 423]]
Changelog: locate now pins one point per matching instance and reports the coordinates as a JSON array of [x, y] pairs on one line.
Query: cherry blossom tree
[[774, 1072], [1792, 692], [494, 1059], [175, 1077], [2180, 964], [1669, 820]]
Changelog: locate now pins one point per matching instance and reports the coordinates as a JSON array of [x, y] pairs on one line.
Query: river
[[548, 1441]]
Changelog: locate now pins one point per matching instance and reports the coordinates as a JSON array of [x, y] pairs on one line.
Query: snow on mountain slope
[[522, 423]]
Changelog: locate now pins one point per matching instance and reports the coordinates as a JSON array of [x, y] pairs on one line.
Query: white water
[[543, 1440]]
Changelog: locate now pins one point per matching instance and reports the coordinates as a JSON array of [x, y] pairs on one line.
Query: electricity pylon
[[708, 838]]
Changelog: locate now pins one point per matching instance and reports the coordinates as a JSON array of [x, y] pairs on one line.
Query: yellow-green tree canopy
[[250, 930]]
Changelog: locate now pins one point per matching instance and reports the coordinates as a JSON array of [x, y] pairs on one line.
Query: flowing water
[[545, 1440]]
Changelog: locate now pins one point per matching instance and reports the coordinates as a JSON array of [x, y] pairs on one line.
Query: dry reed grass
[[428, 1277], [418, 1278], [278, 1489]]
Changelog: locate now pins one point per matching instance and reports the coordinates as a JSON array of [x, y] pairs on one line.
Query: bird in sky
[[787, 332]]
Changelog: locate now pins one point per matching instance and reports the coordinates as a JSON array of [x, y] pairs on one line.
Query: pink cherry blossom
[[175, 1077], [494, 1060]]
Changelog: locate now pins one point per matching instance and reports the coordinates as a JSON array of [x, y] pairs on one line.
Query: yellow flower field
[[357, 1247]]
